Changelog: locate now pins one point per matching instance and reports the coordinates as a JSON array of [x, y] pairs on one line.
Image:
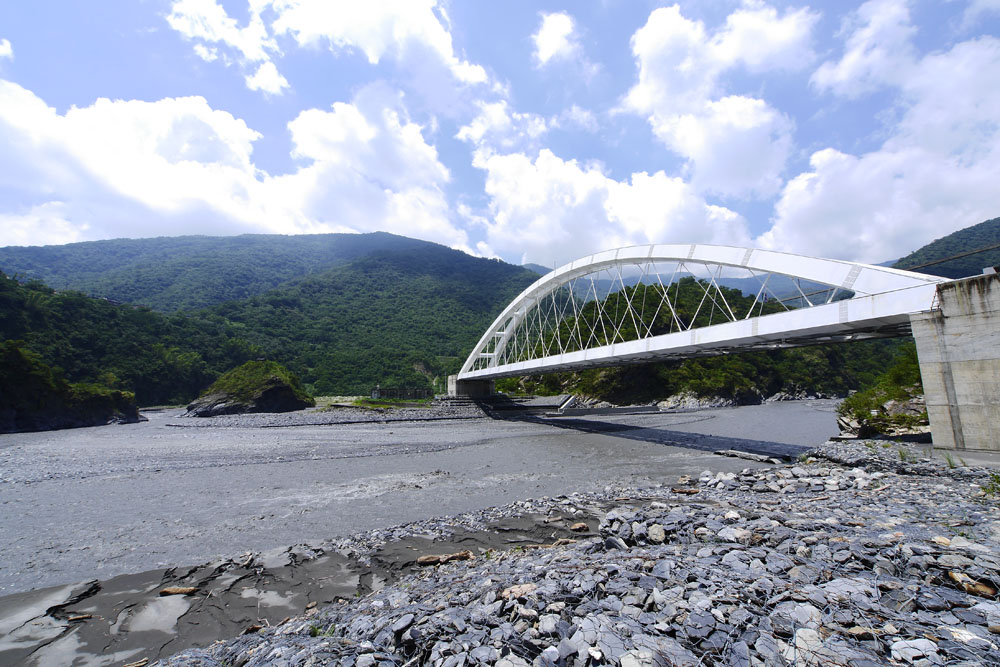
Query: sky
[[529, 131]]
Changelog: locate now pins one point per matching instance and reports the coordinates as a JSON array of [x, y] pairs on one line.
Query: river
[[99, 502]]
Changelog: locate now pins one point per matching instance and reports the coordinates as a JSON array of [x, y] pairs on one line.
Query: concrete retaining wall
[[958, 346]]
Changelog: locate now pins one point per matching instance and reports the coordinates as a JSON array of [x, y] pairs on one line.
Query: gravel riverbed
[[862, 554], [343, 414]]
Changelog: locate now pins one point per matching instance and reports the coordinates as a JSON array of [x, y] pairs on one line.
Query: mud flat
[[144, 616]]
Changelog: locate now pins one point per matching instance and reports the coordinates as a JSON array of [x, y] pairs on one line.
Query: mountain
[[398, 318], [537, 268], [958, 245], [161, 359], [190, 272], [387, 310], [343, 312]]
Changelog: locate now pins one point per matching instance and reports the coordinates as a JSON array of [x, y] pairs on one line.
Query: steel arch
[[882, 302]]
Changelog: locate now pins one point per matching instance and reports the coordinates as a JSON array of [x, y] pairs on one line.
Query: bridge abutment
[[958, 347], [470, 388]]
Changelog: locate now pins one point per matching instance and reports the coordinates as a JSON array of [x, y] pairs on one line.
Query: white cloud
[[267, 79], [734, 145], [206, 53], [179, 166], [6, 50], [41, 225], [497, 126], [550, 210], [401, 29], [206, 22], [977, 8], [757, 38], [556, 39], [737, 145], [936, 173], [877, 52], [577, 117]]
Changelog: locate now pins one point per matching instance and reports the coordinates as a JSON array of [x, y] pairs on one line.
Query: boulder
[[256, 386], [689, 401]]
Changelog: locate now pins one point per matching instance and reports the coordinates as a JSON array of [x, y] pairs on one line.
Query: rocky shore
[[861, 554]]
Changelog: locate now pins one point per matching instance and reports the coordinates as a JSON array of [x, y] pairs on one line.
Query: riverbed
[[98, 502]]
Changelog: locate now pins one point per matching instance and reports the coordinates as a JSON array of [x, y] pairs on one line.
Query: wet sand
[[129, 618]]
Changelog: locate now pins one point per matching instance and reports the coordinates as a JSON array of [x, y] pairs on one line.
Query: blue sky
[[530, 131]]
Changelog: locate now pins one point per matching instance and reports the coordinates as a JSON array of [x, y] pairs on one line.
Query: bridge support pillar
[[958, 346], [470, 388]]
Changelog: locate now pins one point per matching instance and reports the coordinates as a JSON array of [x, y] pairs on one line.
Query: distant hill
[[537, 268], [359, 310], [162, 359], [189, 272], [957, 243], [397, 318]]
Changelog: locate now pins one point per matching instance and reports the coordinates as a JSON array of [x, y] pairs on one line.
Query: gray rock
[[910, 650], [548, 624]]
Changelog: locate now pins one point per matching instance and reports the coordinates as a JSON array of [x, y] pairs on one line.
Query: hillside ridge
[[191, 272], [982, 235]]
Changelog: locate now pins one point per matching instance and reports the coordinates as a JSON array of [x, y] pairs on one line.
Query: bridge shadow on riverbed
[[662, 436]]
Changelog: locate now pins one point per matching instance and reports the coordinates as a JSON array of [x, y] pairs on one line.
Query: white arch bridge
[[659, 302]]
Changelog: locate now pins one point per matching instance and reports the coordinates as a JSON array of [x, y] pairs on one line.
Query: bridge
[[669, 301]]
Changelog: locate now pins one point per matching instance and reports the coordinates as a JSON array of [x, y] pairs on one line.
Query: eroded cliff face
[[59, 415], [34, 397]]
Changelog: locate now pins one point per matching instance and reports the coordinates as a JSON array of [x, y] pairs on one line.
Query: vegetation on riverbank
[[256, 386], [161, 359], [363, 402], [247, 382], [881, 408], [347, 312], [33, 397], [831, 370]]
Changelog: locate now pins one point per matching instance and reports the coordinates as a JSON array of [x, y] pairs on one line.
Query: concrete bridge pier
[[470, 388], [958, 347]]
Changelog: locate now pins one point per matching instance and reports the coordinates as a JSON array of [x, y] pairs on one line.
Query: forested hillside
[[189, 272], [963, 241], [399, 317], [159, 358], [345, 312]]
